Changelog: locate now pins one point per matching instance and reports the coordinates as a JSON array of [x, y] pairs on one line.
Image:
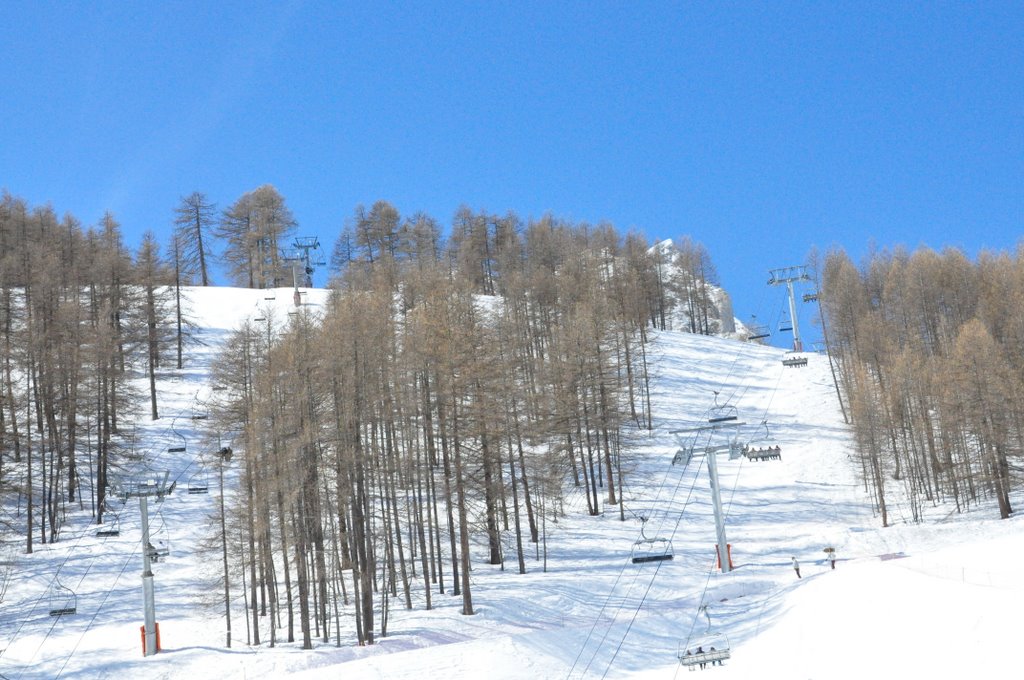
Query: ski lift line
[[711, 568], [604, 605], [70, 550], [97, 611], [651, 583], [741, 389], [672, 535], [47, 591], [77, 539], [632, 620], [614, 617]]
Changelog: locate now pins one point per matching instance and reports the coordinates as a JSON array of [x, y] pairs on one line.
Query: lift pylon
[[145, 489], [711, 453], [788, 276]]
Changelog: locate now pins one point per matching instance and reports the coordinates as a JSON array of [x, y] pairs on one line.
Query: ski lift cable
[[597, 619], [611, 591], [632, 620], [728, 510], [643, 599], [97, 611], [47, 590], [71, 549], [741, 389]]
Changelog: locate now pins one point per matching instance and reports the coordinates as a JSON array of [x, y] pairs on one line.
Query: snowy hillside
[[935, 600]]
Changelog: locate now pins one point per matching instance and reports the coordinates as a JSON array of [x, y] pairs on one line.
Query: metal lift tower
[[788, 276], [734, 450], [304, 254], [144, 490]]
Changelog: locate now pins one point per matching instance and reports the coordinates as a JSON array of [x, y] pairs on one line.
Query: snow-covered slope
[[943, 608]]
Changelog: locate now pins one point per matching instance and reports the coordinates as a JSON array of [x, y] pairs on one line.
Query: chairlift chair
[[656, 549], [63, 600], [757, 331], [110, 527], [720, 413], [794, 361], [714, 650], [763, 447], [159, 546], [159, 541], [178, 448], [199, 482]]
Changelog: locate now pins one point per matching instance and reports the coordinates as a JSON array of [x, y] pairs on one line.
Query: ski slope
[[934, 600]]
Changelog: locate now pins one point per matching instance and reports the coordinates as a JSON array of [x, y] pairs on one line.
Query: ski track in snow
[[945, 610]]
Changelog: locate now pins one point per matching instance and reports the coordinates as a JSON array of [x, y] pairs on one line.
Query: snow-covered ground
[[935, 600]]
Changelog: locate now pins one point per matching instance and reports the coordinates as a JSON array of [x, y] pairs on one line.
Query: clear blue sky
[[759, 129]]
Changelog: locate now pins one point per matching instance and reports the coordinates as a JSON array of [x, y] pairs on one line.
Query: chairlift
[[794, 361], [178, 448], [763, 447], [757, 331], [720, 413], [159, 545], [159, 541], [199, 482], [709, 649], [111, 526], [650, 549], [63, 600], [785, 325], [811, 297]]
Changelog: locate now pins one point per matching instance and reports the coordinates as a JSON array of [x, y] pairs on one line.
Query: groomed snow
[[944, 606]]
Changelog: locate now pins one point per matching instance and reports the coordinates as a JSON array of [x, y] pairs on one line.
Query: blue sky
[[759, 129]]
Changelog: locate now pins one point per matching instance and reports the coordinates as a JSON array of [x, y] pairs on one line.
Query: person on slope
[[796, 567]]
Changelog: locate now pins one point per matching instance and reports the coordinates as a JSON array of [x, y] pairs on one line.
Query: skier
[[700, 650], [796, 568], [832, 558]]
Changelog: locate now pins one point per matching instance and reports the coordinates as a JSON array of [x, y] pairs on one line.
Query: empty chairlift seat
[[199, 483], [63, 601], [757, 331], [721, 413], [110, 527], [651, 550]]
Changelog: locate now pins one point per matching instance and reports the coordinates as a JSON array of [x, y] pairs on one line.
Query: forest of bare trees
[[930, 350], [435, 413]]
